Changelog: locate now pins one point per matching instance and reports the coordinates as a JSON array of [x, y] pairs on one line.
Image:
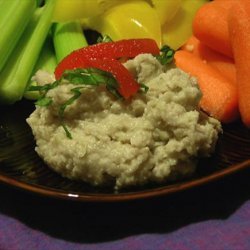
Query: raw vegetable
[[166, 56], [120, 19], [239, 31], [71, 10], [168, 22], [179, 28], [104, 56], [119, 49], [225, 65], [47, 62], [219, 95], [19, 67], [127, 84], [192, 46], [39, 2], [166, 10], [127, 20], [14, 17], [210, 26], [67, 37]]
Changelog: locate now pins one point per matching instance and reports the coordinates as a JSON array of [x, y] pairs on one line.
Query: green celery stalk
[[14, 17], [18, 69], [67, 37], [1, 3], [39, 2], [47, 62]]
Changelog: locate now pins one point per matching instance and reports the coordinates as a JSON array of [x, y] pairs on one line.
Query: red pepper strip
[[104, 55], [127, 84], [123, 48]]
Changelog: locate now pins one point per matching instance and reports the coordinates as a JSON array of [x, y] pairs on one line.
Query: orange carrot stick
[[210, 26], [224, 64], [192, 45], [224, 0], [219, 95], [239, 31]]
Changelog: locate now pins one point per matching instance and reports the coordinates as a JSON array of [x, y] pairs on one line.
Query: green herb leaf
[[68, 134], [44, 88], [44, 102], [166, 56], [76, 94], [104, 39], [144, 87], [94, 77]]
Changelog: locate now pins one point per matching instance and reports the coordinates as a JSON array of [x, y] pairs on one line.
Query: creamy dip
[[154, 137]]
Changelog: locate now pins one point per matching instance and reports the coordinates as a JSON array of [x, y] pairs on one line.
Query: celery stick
[[67, 37], [39, 2], [47, 62], [17, 71], [1, 3], [14, 17]]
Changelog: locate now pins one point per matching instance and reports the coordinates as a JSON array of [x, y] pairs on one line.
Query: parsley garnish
[[104, 39], [166, 56], [81, 78]]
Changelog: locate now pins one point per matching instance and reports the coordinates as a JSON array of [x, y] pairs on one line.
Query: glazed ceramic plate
[[21, 167]]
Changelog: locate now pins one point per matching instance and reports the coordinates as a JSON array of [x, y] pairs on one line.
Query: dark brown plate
[[22, 168]]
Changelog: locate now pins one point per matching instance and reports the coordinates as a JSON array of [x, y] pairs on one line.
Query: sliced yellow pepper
[[128, 19], [107, 4], [166, 21], [68, 10], [179, 29], [166, 9]]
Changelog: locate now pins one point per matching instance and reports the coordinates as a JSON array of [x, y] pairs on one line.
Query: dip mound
[[154, 137]]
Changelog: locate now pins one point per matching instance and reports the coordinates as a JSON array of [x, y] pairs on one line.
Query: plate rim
[[126, 196]]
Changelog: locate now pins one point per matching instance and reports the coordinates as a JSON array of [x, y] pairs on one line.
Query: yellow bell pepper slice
[[128, 19], [179, 29], [68, 10], [166, 9]]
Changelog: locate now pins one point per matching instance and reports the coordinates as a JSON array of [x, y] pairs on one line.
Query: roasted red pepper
[[105, 56]]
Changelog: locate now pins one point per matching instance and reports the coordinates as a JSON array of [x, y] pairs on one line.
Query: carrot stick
[[192, 45], [210, 26], [219, 95], [224, 0], [224, 64], [239, 31]]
